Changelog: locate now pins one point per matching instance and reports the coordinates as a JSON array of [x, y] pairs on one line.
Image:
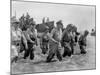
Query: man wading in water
[[67, 41], [31, 36], [44, 41], [82, 42], [17, 36], [54, 42]]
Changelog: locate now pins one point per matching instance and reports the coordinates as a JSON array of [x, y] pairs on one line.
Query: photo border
[[51, 3]]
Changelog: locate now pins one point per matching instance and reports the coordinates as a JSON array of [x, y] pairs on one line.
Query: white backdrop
[[5, 37]]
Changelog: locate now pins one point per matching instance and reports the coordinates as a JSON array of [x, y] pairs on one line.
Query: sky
[[81, 16]]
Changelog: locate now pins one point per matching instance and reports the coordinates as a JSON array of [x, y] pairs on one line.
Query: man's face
[[59, 26]]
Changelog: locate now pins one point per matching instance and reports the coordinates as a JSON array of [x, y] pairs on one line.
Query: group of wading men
[[51, 43]]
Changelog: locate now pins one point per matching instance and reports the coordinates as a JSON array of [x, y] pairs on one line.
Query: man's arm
[[25, 41]]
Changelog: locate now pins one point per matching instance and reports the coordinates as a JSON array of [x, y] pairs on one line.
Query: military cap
[[59, 22]]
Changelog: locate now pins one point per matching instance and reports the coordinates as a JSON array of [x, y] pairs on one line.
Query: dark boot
[[50, 56]]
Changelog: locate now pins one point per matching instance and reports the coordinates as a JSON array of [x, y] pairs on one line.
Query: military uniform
[[82, 42], [16, 35], [54, 47], [67, 42], [44, 43], [30, 36]]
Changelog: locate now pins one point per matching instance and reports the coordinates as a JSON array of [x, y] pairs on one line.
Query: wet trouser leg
[[45, 48], [67, 52], [50, 56], [26, 54], [72, 48], [53, 50], [82, 49], [58, 55], [29, 51]]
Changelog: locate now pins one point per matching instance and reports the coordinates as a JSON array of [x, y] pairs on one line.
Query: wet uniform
[[15, 43], [82, 44], [16, 39], [22, 45], [53, 46], [30, 50], [67, 42], [44, 43]]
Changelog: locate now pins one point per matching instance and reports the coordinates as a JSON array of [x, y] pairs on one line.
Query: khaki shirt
[[67, 36], [16, 35], [56, 34]]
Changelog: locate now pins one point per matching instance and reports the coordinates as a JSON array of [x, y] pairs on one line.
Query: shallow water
[[76, 62]]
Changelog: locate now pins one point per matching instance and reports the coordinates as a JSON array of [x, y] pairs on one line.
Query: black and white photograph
[[52, 37]]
